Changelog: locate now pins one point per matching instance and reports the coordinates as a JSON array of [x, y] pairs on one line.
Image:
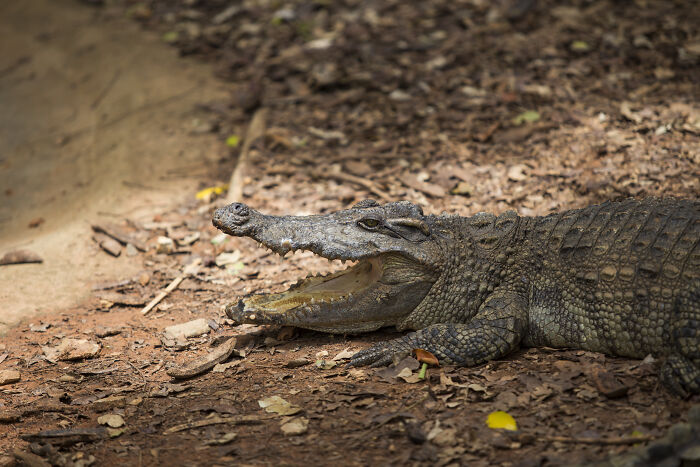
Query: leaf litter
[[412, 114]]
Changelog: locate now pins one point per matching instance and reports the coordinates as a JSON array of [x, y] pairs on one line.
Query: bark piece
[[206, 362], [108, 244], [20, 257]]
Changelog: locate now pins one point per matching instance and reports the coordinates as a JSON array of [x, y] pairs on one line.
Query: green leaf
[[233, 141], [528, 116], [170, 36]]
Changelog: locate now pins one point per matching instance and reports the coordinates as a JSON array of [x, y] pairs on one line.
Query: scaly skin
[[618, 278]]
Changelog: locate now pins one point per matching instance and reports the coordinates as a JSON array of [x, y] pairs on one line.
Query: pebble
[[165, 245], [9, 377], [193, 328]]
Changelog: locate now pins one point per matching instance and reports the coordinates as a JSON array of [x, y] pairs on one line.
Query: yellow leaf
[[501, 419], [580, 46], [208, 192], [232, 141]]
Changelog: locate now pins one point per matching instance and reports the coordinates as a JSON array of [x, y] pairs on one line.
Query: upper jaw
[[319, 234], [332, 236]]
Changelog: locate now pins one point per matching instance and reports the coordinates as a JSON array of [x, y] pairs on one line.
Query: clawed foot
[[382, 354]]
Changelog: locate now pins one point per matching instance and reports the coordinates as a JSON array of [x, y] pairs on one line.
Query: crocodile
[[621, 278]]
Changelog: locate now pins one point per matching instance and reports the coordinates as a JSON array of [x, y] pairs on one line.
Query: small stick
[[172, 286], [189, 270], [256, 129], [606, 441], [234, 419], [344, 177]]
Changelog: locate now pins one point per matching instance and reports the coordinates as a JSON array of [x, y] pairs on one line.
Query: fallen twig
[[236, 420], [256, 129], [344, 177], [189, 270], [605, 441]]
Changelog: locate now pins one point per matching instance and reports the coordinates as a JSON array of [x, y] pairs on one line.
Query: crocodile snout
[[231, 216]]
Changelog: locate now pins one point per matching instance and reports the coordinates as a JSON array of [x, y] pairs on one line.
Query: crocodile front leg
[[495, 331]]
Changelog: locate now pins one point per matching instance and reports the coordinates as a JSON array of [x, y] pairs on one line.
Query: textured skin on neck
[[476, 253]]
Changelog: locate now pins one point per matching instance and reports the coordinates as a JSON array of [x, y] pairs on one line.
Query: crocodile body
[[620, 278]]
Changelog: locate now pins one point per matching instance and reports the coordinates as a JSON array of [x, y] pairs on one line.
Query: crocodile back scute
[[613, 277]]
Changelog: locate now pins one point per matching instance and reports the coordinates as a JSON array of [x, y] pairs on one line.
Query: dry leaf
[[111, 420], [501, 420], [275, 404]]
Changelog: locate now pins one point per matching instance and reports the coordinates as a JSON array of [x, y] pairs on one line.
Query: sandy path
[[95, 124]]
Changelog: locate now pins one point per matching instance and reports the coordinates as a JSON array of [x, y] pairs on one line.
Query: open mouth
[[318, 291], [372, 293]]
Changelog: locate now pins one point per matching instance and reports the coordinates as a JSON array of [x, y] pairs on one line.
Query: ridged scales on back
[[620, 278], [623, 279]]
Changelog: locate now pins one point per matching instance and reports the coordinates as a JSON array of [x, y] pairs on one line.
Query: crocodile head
[[397, 255]]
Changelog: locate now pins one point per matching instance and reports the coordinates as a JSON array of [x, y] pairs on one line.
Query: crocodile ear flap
[[366, 203], [414, 230]]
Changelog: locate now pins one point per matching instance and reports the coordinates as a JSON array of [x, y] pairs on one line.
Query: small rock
[[295, 427], [131, 250], [71, 349], [193, 328], [111, 420], [9, 377], [165, 245]]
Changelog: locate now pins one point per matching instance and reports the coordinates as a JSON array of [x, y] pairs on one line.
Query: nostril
[[239, 209]]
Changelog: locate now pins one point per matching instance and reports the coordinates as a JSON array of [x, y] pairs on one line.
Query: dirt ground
[[97, 122], [457, 106]]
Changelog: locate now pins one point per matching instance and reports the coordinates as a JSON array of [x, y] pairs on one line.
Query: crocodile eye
[[369, 223]]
